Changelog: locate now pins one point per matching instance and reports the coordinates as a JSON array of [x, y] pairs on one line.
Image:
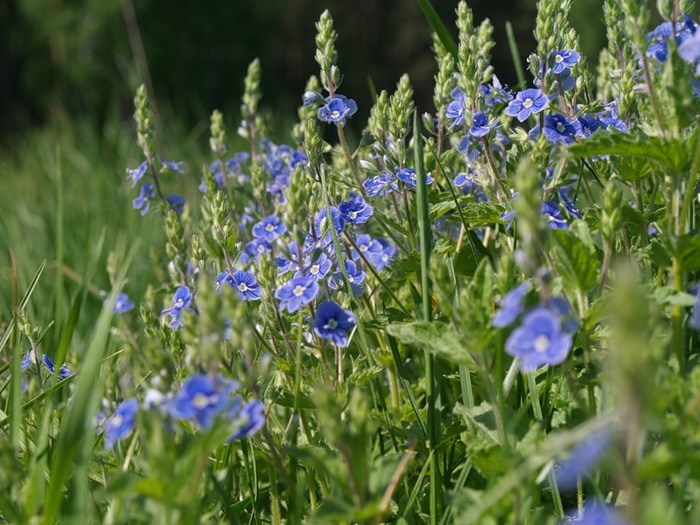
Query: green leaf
[[576, 263], [674, 154], [475, 213], [631, 168], [668, 296], [403, 268], [437, 337], [689, 250]]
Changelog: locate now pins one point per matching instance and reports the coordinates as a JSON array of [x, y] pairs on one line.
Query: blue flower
[[143, 201], [246, 285], [659, 36], [63, 372], [552, 214], [589, 124], [539, 340], [249, 420], [337, 109], [468, 185], [611, 119], [569, 205], [693, 320], [181, 300], [355, 276], [322, 226], [257, 247], [121, 423], [380, 185], [495, 93], [511, 305], [169, 165], [269, 228], [456, 110], [202, 399], [528, 102], [508, 217], [365, 245], [296, 292], [595, 513], [318, 270], [381, 260], [564, 59], [582, 460], [311, 98], [557, 128], [135, 175], [689, 51], [27, 361], [122, 304], [333, 323], [408, 176], [480, 125], [355, 210]]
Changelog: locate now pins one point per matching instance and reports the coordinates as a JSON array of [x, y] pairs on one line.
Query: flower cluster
[[203, 400]]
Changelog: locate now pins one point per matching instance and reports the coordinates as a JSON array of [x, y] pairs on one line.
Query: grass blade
[[74, 442], [438, 26]]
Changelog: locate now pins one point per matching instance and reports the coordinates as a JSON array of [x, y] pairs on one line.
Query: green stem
[[348, 157], [537, 410], [424, 233]]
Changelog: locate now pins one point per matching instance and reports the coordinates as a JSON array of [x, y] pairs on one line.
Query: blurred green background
[[83, 58]]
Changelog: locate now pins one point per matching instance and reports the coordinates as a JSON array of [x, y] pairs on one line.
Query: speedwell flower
[[337, 109], [557, 128], [269, 228], [296, 292], [202, 399], [120, 425], [564, 59], [181, 300], [540, 340], [333, 322], [409, 177], [355, 210], [528, 102]]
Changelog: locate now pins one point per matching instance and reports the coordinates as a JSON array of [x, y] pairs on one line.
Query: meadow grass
[[485, 314]]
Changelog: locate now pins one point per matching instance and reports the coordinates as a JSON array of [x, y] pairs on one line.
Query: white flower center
[[117, 420], [541, 344], [201, 401], [315, 269], [332, 324], [299, 290], [527, 103], [270, 228], [335, 114], [561, 127], [352, 214], [243, 287]]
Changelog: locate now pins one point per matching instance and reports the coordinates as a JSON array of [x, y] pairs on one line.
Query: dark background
[[78, 59]]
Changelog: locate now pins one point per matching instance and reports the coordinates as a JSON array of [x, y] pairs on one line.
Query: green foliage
[[513, 301]]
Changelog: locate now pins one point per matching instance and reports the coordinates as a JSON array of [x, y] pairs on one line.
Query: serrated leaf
[[402, 268], [475, 214], [576, 263], [631, 168], [689, 249], [437, 337], [673, 154], [668, 296]]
